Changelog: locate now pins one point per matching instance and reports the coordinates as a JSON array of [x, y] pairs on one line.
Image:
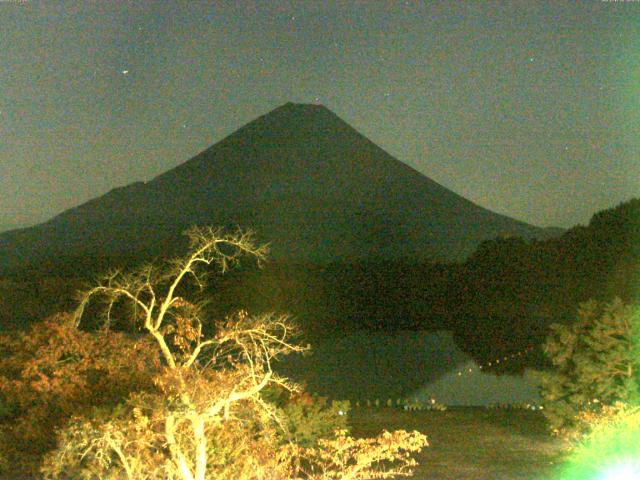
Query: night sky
[[531, 109]]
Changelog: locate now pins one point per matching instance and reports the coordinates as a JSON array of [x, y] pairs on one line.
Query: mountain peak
[[302, 106], [301, 109], [301, 178]]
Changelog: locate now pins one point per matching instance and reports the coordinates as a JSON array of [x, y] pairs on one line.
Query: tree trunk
[[201, 447]]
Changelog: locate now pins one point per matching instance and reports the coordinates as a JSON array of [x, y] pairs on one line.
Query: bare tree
[[204, 377], [209, 392]]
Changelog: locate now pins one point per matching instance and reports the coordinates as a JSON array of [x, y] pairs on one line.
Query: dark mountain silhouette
[[300, 177]]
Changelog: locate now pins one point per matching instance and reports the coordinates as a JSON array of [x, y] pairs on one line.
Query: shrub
[[308, 418], [346, 458], [54, 371]]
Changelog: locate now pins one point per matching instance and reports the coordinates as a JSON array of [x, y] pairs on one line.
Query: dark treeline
[[509, 291], [500, 300]]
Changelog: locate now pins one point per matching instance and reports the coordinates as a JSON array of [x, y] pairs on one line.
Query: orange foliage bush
[[345, 458], [53, 371]]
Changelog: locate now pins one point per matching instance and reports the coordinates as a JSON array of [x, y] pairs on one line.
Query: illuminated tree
[[207, 417]]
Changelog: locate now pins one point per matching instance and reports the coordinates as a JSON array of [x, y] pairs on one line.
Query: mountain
[[299, 176]]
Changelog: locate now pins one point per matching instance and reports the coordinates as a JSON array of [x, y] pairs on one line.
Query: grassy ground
[[471, 443]]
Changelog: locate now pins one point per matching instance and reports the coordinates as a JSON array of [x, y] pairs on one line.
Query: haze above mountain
[[301, 178]]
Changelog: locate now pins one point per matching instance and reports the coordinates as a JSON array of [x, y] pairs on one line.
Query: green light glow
[[623, 471], [611, 451]]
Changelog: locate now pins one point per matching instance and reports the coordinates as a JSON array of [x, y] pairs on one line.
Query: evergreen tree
[[596, 363]]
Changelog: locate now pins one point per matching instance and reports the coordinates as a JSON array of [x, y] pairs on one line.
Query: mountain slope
[[301, 178]]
